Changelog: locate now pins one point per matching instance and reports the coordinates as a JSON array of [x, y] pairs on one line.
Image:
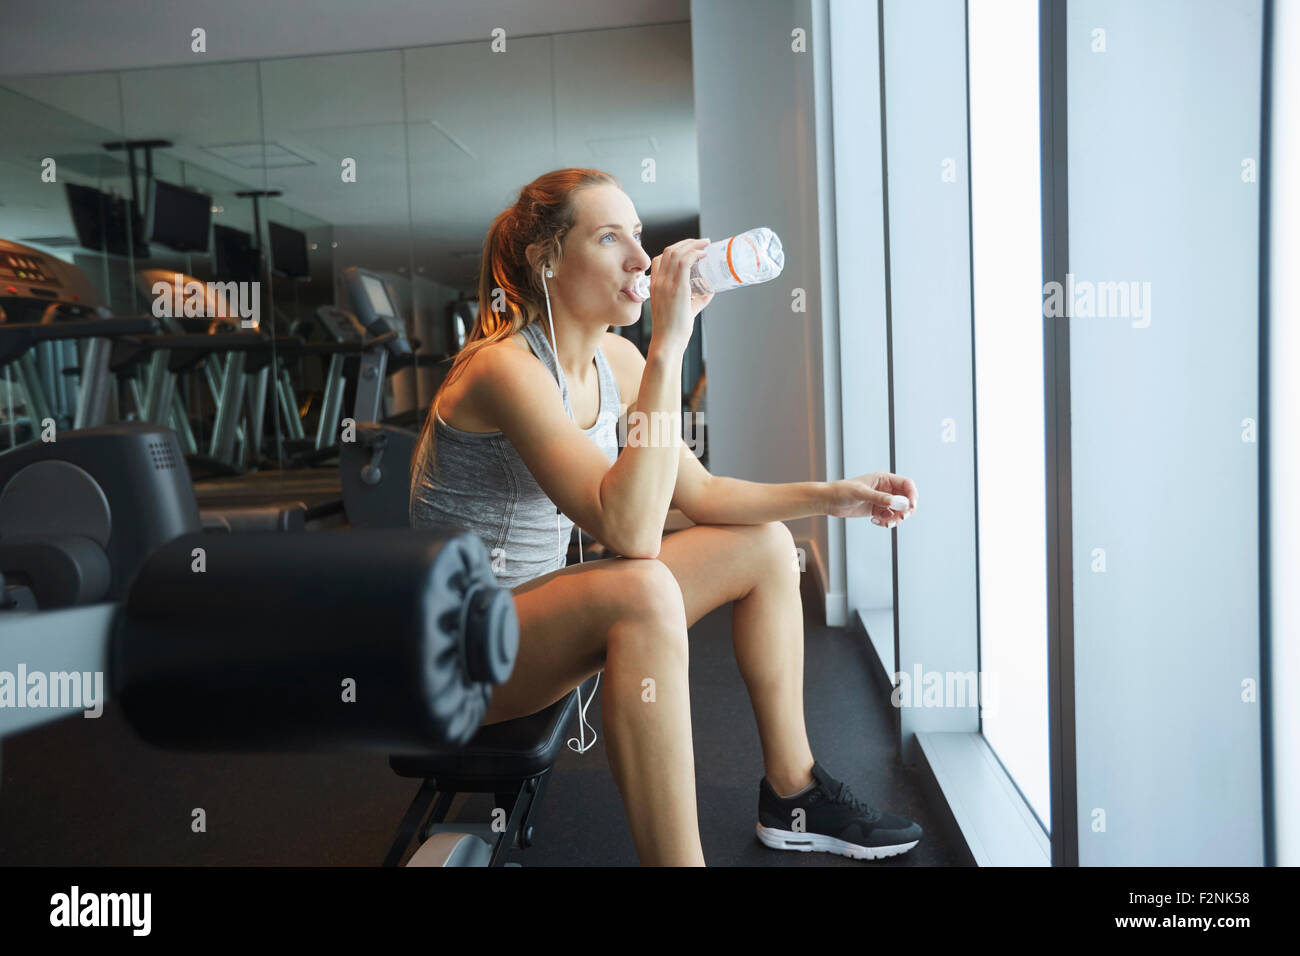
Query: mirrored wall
[[394, 162]]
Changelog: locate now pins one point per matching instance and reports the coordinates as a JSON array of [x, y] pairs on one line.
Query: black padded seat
[[511, 749]]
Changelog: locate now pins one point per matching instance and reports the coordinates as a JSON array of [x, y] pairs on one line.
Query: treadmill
[[363, 349], [69, 354]]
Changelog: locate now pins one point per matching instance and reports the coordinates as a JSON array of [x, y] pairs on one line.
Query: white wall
[[764, 161]]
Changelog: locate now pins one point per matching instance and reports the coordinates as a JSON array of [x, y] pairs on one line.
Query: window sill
[[986, 812]]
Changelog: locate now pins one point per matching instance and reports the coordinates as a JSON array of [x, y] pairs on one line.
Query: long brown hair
[[510, 295]]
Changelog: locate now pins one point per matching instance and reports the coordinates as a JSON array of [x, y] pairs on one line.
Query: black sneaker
[[832, 822]]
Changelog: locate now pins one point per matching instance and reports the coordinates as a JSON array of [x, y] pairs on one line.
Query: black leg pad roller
[[378, 640]]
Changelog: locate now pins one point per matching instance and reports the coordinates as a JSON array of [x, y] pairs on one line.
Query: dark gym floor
[[87, 793]]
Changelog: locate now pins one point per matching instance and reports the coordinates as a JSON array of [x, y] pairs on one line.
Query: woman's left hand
[[870, 495]]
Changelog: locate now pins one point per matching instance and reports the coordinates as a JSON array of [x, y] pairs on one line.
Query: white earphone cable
[[581, 740]]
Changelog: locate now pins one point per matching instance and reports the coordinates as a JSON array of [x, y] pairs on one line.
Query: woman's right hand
[[673, 307]]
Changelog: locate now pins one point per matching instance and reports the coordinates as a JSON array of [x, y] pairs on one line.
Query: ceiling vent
[[258, 155]]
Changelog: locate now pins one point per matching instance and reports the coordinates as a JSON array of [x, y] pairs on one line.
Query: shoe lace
[[844, 797]]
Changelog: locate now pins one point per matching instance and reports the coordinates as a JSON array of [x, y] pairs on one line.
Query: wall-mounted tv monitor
[[288, 251], [233, 255], [101, 222], [179, 218]]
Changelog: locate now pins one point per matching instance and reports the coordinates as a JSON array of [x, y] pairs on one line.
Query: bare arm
[[713, 499], [638, 489], [704, 498], [722, 500], [623, 506]]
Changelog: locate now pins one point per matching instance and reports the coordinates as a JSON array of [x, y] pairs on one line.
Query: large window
[[1006, 240]]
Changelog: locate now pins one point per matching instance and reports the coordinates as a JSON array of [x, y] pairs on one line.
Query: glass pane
[[209, 116], [336, 128], [1164, 379], [53, 163], [207, 119], [1006, 232], [480, 126]]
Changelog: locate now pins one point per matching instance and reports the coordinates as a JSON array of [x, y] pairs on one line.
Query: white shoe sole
[[820, 843]]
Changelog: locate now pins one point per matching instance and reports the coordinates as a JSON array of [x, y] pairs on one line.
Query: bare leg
[[607, 614], [754, 566], [627, 617], [647, 719]]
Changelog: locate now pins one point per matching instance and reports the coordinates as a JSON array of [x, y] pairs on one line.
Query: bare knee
[[650, 607], [776, 546], [648, 590]]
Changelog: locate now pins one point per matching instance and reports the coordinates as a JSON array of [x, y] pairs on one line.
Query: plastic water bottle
[[747, 259]]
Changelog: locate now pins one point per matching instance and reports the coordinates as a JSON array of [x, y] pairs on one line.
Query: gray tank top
[[485, 487]]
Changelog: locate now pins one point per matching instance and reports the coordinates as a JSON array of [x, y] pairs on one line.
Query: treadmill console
[[29, 268], [29, 275], [374, 307]]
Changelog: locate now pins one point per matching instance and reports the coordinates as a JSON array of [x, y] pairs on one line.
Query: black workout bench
[[511, 760]]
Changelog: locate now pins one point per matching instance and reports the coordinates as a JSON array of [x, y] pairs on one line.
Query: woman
[[509, 438]]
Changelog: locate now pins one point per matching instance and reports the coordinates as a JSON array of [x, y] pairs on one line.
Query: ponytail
[[510, 294]]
